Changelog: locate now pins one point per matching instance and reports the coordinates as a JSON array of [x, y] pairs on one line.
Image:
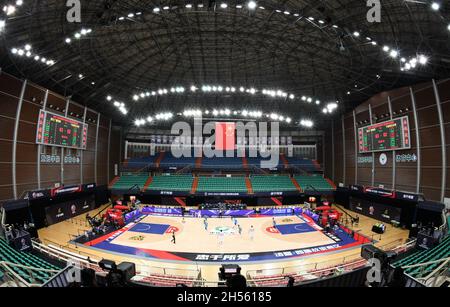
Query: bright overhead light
[[356, 34], [224, 5], [10, 9], [435, 6], [306, 123], [108, 98], [77, 35], [156, 10], [27, 47], [135, 97], [386, 48], [36, 58], [68, 40], [80, 76], [21, 52], [393, 54], [188, 6], [19, 2], [251, 5], [14, 50], [423, 59], [448, 27]]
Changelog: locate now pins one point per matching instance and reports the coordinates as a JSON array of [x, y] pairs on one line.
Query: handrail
[[8, 266], [106, 207], [439, 268], [424, 263], [343, 210]]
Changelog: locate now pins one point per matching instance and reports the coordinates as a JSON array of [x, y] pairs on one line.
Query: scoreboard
[[57, 130], [389, 135]]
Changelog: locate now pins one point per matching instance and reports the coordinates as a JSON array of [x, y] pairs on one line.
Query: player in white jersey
[[220, 237], [251, 233]]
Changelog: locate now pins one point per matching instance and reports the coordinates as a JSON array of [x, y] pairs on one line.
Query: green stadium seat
[[272, 183], [126, 182], [438, 252], [172, 183], [222, 184], [9, 254], [313, 183]]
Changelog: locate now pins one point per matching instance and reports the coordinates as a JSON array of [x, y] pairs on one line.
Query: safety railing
[[443, 266], [27, 272]]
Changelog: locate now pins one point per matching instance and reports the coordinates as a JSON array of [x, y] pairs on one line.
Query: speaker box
[[128, 269]]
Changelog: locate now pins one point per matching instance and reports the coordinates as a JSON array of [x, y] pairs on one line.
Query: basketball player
[[274, 223], [239, 229], [220, 237], [173, 237], [251, 233]]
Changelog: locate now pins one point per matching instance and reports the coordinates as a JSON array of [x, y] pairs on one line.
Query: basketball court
[[243, 239]]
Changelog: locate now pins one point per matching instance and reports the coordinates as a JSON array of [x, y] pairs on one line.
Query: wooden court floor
[[193, 237]]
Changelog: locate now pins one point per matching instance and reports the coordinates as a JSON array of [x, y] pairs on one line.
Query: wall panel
[[429, 136]]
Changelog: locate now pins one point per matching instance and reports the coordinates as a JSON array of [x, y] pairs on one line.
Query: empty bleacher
[[169, 161], [9, 254], [139, 163], [441, 251], [222, 163], [222, 184], [315, 182], [303, 164], [129, 181], [272, 183], [172, 183]]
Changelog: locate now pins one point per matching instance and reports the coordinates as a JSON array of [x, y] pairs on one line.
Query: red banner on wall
[[225, 136]]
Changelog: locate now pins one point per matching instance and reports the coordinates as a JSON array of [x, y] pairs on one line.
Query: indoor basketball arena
[[224, 144]]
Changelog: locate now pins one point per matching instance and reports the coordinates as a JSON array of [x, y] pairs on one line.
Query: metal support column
[[419, 157], [16, 132], [443, 143]]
